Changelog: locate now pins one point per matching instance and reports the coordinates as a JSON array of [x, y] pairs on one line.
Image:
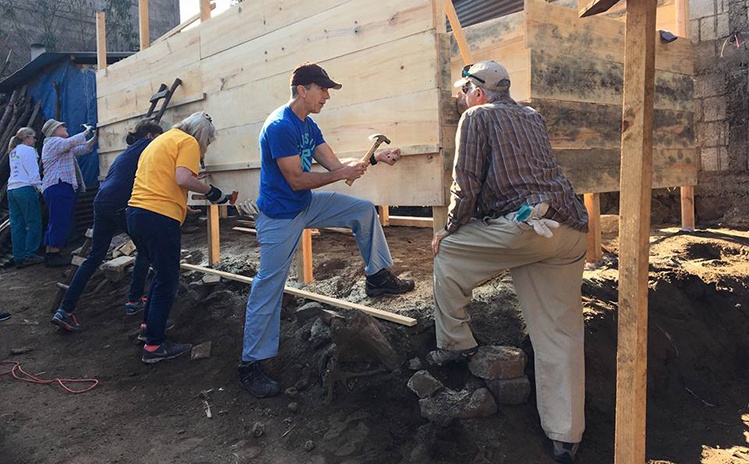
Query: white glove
[[533, 218], [87, 128], [248, 208]]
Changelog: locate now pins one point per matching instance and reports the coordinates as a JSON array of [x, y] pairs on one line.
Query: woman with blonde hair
[[24, 184], [167, 170]]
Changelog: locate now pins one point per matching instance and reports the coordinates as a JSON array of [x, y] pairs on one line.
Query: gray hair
[[295, 91], [20, 136], [200, 126], [494, 95]]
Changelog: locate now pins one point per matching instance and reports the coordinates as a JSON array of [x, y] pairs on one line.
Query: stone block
[[702, 9], [711, 134], [114, 270], [211, 279], [510, 391], [448, 405], [723, 26], [610, 224], [201, 351], [424, 384], [707, 29], [714, 109], [694, 30], [709, 159], [723, 159], [709, 85], [498, 362], [308, 311]]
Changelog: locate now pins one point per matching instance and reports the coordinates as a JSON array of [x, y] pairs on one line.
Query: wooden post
[[143, 27], [213, 236], [205, 10], [595, 249], [304, 257], [460, 37], [223, 211], [384, 211], [634, 232], [439, 217], [687, 191], [101, 40]]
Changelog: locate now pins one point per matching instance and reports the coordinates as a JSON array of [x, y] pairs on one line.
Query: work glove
[[532, 217], [88, 128], [248, 208], [216, 196]]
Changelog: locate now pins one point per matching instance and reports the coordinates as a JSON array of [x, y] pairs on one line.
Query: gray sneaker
[[167, 350], [565, 452]]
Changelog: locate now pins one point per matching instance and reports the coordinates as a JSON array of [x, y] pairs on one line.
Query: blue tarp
[[77, 86]]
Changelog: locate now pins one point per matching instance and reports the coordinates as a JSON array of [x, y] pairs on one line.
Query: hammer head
[[379, 138]]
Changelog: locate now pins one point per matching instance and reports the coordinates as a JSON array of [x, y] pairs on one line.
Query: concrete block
[[510, 391], [724, 163], [424, 384], [709, 159], [723, 26], [714, 109], [498, 362], [702, 8], [448, 405], [211, 279], [707, 29], [709, 85], [711, 134], [114, 270], [705, 55], [610, 224]]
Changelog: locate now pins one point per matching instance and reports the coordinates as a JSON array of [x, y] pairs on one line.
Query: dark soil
[[698, 368]]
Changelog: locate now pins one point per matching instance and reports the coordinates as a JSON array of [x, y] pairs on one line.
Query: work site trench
[[350, 381]]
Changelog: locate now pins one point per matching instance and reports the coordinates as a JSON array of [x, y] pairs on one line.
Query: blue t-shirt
[[116, 188], [283, 135]]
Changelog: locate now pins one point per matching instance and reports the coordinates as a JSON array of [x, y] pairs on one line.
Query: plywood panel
[[557, 27]]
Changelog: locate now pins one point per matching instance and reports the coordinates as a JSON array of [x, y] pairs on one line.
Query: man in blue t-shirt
[[289, 141]]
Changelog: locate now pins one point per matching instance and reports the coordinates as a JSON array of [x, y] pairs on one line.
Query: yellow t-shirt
[[156, 187]]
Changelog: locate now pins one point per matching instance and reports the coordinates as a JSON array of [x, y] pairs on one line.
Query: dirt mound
[[697, 359]]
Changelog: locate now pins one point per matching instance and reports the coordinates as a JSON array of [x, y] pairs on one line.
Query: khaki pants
[[547, 274]]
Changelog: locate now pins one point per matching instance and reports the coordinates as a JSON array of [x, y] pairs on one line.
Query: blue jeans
[[159, 238], [107, 223], [278, 239], [25, 222], [60, 201]]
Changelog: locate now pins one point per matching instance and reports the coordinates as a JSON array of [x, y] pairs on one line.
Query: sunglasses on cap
[[465, 73], [208, 117]]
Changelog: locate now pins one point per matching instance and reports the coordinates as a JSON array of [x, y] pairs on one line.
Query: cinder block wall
[[720, 33]]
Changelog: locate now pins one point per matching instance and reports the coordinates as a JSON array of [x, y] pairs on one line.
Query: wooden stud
[[223, 211], [408, 221], [460, 37], [205, 10], [101, 40], [143, 24], [214, 255], [304, 257], [384, 212], [686, 191], [378, 313], [439, 217], [634, 232], [595, 249]]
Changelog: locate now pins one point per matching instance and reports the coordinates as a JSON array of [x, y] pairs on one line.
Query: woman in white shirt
[[23, 198]]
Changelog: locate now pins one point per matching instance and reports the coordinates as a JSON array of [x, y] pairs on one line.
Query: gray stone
[[309, 445], [293, 407], [424, 385], [510, 391], [291, 392], [201, 351], [448, 405], [308, 311], [498, 362], [211, 279], [319, 334], [709, 158], [415, 364], [258, 429]]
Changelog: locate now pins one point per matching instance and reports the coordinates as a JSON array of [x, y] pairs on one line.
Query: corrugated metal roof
[[477, 11], [41, 62]]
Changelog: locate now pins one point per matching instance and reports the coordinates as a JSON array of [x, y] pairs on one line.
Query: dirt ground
[[698, 379]]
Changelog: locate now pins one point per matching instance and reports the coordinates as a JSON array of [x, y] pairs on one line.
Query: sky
[[188, 8]]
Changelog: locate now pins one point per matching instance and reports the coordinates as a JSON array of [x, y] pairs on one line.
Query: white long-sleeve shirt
[[24, 168]]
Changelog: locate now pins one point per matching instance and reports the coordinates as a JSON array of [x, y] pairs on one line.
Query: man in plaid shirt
[[507, 196]]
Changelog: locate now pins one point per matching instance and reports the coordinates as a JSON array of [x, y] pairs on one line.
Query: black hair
[[143, 128]]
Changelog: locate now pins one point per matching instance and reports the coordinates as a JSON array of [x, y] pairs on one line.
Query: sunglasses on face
[[466, 88], [465, 73]]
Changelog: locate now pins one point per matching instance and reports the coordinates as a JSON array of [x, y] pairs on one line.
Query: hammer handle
[[371, 151]]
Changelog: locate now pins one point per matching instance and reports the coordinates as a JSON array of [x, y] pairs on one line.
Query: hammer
[[378, 139]]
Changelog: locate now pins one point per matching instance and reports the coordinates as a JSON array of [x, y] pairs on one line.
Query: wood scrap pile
[[20, 111]]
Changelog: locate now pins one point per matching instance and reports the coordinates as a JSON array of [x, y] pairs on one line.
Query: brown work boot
[[385, 283]]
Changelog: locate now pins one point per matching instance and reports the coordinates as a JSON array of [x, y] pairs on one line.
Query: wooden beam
[[384, 211], [634, 232], [214, 255], [407, 221], [249, 230], [594, 253], [686, 191], [304, 257], [378, 313], [460, 37], [101, 40], [205, 10], [143, 26]]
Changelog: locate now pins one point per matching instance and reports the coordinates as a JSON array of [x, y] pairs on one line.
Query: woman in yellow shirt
[[167, 170]]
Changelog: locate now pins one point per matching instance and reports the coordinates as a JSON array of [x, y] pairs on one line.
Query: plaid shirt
[[503, 160], [58, 159]]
